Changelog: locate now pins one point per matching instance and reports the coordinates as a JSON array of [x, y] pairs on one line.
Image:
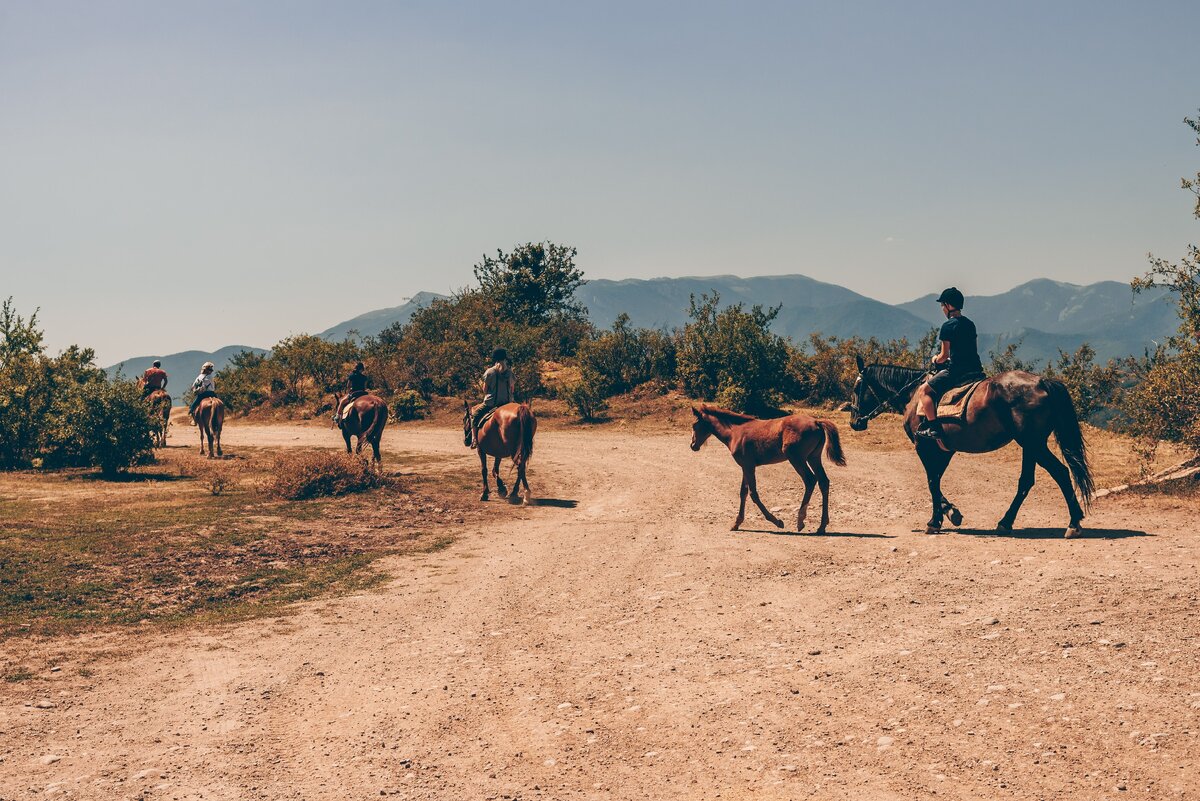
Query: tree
[[534, 283]]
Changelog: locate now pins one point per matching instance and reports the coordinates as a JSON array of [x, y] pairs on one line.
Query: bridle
[[873, 385]]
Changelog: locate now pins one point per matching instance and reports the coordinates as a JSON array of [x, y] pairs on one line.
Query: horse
[[1014, 406], [364, 417], [159, 401], [796, 438], [210, 417], [507, 433]]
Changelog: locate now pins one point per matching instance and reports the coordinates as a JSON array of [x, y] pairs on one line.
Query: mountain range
[[1042, 315]]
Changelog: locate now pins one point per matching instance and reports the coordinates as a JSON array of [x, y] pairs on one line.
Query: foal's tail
[[833, 443], [1070, 437], [525, 428]]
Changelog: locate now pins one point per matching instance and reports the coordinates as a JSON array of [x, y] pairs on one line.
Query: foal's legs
[[1024, 485], [810, 482], [935, 461], [814, 462], [1058, 471], [749, 482]]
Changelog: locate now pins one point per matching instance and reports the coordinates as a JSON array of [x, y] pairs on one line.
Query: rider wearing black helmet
[[958, 361], [499, 388], [356, 387]]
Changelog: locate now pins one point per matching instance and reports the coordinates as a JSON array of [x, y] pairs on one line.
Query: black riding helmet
[[499, 355], [951, 296], [358, 368]]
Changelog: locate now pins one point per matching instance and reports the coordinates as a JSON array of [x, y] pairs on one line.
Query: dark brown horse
[[159, 402], [364, 417], [1013, 406], [507, 433], [210, 417], [796, 438]]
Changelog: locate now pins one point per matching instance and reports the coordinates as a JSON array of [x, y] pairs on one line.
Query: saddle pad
[[346, 411], [487, 415], [953, 404]]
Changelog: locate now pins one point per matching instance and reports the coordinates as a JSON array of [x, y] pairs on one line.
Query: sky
[[178, 175]]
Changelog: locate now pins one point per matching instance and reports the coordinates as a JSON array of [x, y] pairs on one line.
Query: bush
[[625, 357], [320, 474], [99, 423], [407, 404], [1093, 388], [584, 398]]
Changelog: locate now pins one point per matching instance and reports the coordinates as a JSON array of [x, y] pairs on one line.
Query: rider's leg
[[477, 415]]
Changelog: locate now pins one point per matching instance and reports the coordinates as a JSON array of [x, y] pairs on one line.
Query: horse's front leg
[[744, 491], [346, 437], [752, 483], [935, 461], [810, 482], [500, 488], [483, 471], [1024, 485]]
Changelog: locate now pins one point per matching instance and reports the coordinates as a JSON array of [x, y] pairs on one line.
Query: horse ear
[[859, 361], [695, 411], [466, 406]]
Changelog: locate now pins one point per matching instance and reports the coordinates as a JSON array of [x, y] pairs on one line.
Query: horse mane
[[726, 415], [892, 376]]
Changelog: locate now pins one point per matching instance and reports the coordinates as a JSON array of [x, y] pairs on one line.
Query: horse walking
[[508, 433], [796, 438], [1009, 407], [210, 417], [364, 417], [159, 402]]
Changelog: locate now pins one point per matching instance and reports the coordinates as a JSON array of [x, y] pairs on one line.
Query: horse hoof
[[932, 529], [735, 527], [821, 530], [1004, 525], [483, 497], [1073, 531], [956, 517], [778, 523]]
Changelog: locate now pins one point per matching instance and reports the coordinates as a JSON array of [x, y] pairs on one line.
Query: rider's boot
[[930, 429]]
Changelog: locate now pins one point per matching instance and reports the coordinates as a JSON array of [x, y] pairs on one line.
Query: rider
[[154, 378], [958, 361], [499, 388], [356, 383], [204, 387]]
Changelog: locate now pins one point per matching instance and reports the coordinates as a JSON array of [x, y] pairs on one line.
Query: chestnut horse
[[507, 433], [796, 438], [1013, 406], [159, 402], [210, 417], [364, 417]]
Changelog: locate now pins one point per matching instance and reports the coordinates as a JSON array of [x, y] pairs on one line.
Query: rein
[[872, 384]]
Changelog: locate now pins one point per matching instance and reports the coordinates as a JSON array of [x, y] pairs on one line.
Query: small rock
[[884, 742], [50, 759], [991, 621], [1058, 696], [815, 652], [55, 669], [44, 705]]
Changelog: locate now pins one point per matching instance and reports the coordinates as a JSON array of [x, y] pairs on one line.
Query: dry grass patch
[[301, 475]]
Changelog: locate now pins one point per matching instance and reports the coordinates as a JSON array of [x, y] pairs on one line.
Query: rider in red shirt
[[154, 378]]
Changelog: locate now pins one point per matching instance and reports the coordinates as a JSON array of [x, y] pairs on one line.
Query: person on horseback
[[499, 388], [154, 378], [204, 386], [356, 384], [957, 363]]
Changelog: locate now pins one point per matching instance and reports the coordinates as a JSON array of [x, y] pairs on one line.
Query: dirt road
[[618, 641]]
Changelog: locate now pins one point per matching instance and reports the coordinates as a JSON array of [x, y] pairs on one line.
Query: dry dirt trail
[[630, 646]]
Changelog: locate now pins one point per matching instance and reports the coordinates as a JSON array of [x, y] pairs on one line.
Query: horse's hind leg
[[1024, 485], [1058, 471], [745, 489], [500, 488], [523, 481], [810, 482], [935, 461], [346, 436], [752, 483], [814, 462], [483, 471]]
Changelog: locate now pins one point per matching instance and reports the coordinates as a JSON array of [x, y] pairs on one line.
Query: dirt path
[[619, 642]]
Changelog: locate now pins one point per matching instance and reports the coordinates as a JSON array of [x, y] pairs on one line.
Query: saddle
[[953, 403], [487, 415]]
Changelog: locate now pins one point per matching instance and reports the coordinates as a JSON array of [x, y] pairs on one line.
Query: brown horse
[[210, 417], [159, 402], [1013, 406], [796, 438], [507, 433], [364, 417]]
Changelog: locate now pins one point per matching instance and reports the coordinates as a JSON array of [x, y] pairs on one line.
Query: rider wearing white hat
[[204, 387]]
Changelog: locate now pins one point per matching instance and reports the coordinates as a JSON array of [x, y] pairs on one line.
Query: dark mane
[[892, 376], [726, 414]]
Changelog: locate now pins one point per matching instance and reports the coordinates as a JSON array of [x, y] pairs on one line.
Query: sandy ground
[[618, 641]]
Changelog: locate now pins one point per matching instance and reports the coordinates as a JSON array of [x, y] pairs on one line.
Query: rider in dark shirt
[[356, 383], [958, 360]]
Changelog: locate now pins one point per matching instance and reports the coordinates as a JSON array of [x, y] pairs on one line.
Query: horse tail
[[833, 443], [1070, 437], [378, 423], [525, 428]]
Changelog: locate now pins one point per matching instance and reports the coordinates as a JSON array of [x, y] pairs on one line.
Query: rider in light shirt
[[204, 386]]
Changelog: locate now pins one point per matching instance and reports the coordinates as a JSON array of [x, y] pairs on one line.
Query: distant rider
[[204, 386], [154, 378], [958, 360], [499, 388], [356, 384]]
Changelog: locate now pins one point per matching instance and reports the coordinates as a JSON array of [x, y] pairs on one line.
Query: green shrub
[[584, 398], [317, 474], [625, 357], [99, 423], [407, 404]]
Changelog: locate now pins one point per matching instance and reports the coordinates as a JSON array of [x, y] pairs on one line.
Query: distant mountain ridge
[[1042, 314], [182, 368]]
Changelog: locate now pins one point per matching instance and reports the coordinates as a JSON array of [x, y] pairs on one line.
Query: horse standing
[[508, 432], [796, 438], [210, 417], [364, 417], [1012, 406], [159, 402]]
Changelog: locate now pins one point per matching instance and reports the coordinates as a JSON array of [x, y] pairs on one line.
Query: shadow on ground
[[1051, 533], [781, 533]]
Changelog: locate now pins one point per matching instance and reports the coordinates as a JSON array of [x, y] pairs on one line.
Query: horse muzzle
[[858, 425]]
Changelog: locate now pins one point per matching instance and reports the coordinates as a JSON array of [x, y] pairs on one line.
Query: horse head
[[701, 430], [858, 398], [466, 424]]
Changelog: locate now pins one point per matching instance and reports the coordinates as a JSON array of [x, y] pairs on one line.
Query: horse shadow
[[558, 503], [783, 533], [1052, 533]]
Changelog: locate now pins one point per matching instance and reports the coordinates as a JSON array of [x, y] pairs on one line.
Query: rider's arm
[[944, 355]]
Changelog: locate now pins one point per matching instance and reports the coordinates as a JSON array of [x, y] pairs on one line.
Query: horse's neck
[[721, 430], [896, 379]]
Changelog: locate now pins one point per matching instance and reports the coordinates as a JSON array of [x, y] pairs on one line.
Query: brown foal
[[796, 438]]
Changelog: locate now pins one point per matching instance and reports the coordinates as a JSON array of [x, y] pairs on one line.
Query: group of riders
[[956, 363]]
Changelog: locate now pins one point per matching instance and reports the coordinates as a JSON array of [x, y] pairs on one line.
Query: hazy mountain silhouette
[[182, 368], [373, 322]]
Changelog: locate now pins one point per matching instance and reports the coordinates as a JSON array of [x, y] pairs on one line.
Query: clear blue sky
[[196, 174]]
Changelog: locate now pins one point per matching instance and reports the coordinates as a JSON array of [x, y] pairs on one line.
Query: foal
[[796, 438]]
